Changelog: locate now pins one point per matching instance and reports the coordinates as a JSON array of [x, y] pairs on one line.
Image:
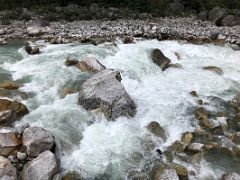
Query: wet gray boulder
[[216, 15], [44, 167], [231, 176], [90, 64], [37, 140], [160, 59], [7, 171], [104, 90]]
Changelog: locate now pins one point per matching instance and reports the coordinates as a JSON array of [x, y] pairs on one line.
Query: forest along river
[[86, 141]]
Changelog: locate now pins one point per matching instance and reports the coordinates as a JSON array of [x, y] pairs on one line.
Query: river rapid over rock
[[100, 149]]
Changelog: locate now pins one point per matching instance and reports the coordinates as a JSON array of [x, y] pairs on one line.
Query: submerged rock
[[9, 142], [70, 61], [231, 176], [37, 140], [13, 94], [155, 128], [90, 65], [177, 66], [7, 170], [44, 167], [214, 69], [159, 59], [10, 85], [104, 90]]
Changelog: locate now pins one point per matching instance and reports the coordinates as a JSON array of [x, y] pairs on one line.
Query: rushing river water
[[87, 142]]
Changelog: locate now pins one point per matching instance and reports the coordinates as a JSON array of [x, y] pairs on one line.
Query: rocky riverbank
[[97, 31]]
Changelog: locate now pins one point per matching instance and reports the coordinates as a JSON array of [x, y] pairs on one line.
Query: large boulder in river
[[37, 140], [104, 90], [11, 110], [9, 142], [90, 64], [160, 59], [44, 167], [216, 15], [7, 170]]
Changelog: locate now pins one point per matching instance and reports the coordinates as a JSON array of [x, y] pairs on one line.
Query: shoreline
[[169, 28]]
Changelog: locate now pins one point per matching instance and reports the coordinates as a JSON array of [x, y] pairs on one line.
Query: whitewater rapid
[[87, 142]]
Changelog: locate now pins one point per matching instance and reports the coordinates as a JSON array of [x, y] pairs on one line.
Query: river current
[[95, 147]]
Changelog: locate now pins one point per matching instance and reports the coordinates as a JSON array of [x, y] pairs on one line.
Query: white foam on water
[[160, 96]]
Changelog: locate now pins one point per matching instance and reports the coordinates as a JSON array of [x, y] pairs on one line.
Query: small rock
[[44, 167], [177, 55], [194, 93], [236, 138], [9, 142], [7, 171], [179, 147], [214, 69], [159, 59], [167, 174], [195, 147], [21, 156], [177, 65], [10, 85], [31, 49], [90, 65], [155, 128], [187, 137], [3, 42], [37, 140], [231, 176], [180, 170], [70, 61], [20, 129], [128, 39]]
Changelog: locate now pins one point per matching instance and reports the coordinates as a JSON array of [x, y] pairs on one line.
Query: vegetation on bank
[[156, 6]]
